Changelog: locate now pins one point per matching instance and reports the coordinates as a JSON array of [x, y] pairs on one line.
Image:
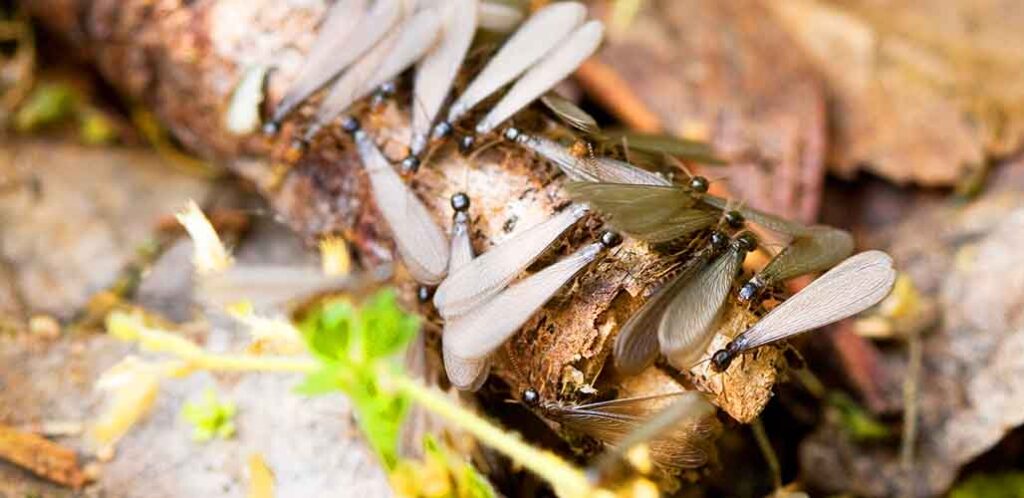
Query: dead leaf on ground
[[923, 90], [973, 369]]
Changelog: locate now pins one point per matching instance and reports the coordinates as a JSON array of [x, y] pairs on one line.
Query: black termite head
[[424, 293], [460, 202], [443, 129], [388, 89], [699, 184], [734, 219], [722, 358], [750, 290], [350, 124], [270, 128], [718, 240], [610, 239], [298, 145], [531, 397], [745, 242], [410, 164], [512, 133], [466, 143]]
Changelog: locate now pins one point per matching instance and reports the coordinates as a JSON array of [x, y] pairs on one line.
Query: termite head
[[270, 128], [460, 202], [424, 293], [410, 164], [388, 89], [443, 129], [734, 219], [512, 133], [531, 397], [722, 358], [718, 240], [466, 143], [750, 290], [746, 242], [699, 184], [610, 239], [350, 124]]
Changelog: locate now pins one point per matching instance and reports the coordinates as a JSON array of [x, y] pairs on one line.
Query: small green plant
[[210, 417]]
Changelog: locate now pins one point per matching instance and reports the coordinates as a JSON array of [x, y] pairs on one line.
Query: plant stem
[[567, 480]]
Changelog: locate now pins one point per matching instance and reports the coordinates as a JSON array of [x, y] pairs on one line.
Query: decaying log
[[181, 59]]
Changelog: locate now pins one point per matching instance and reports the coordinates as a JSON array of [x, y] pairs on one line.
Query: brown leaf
[[922, 90]]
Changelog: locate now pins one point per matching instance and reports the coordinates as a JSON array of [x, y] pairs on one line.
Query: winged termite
[[687, 444], [659, 144], [499, 17], [537, 36], [818, 249], [654, 213], [545, 74], [265, 286], [689, 412], [398, 50], [854, 285], [485, 276], [421, 244], [687, 325], [436, 72], [349, 31], [766, 220], [586, 169], [466, 375], [636, 346], [476, 334]]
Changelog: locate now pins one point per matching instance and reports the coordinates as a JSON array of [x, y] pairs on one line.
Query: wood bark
[[181, 59]]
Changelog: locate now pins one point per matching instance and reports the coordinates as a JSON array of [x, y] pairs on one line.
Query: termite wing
[[636, 345], [687, 443], [349, 31], [811, 249], [585, 169], [688, 323], [436, 72], [499, 17], [266, 287], [465, 375], [653, 213], [485, 276], [537, 36], [545, 74], [478, 333], [398, 50], [854, 285], [421, 244]]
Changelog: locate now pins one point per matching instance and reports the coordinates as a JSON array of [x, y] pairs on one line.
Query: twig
[[769, 453], [41, 456]]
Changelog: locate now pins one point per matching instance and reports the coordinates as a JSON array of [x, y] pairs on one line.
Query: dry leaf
[[922, 90]]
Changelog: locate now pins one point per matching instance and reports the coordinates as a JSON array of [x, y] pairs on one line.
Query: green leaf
[[48, 104], [210, 418], [387, 327], [329, 379], [328, 330], [1004, 485], [857, 422]]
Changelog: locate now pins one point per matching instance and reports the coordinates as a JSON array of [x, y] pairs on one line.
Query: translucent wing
[[687, 326], [553, 68], [534, 38], [477, 334], [488, 274], [854, 285], [636, 346], [570, 113], [265, 286], [685, 441], [397, 51], [348, 33], [769, 221], [465, 375], [585, 169], [499, 17], [436, 72], [818, 249], [648, 212], [421, 244], [653, 143]]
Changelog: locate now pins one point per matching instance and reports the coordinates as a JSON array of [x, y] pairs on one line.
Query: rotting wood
[[181, 60], [41, 456]]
